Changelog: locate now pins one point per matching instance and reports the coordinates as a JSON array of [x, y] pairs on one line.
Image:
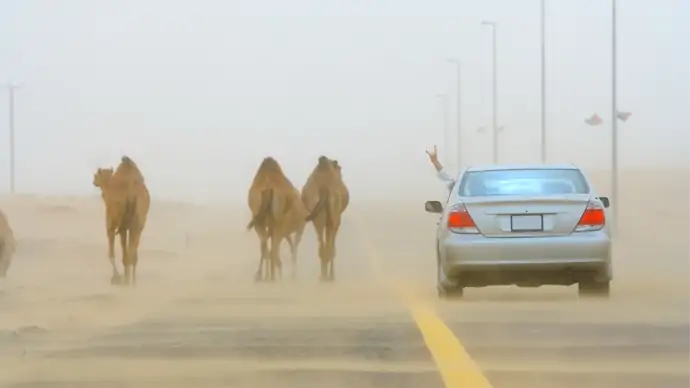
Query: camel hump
[[128, 164]]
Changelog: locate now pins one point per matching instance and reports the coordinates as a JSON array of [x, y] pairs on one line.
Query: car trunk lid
[[519, 216]]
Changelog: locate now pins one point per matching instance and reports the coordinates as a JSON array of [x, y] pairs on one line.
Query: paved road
[[273, 339], [314, 335], [172, 332], [567, 344]]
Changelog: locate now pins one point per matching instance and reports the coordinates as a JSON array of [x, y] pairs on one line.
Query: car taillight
[[460, 221], [592, 219]]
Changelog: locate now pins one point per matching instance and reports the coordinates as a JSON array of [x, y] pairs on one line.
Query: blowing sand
[[196, 317]]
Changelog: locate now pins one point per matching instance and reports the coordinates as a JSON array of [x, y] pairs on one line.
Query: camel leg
[[323, 249], [331, 234], [4, 266], [288, 238], [5, 260], [293, 249], [133, 254], [116, 278], [263, 255], [125, 256], [276, 265], [266, 260]]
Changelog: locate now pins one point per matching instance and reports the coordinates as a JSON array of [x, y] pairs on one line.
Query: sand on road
[[197, 318]]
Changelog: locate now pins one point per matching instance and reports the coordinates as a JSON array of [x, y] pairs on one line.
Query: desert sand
[[196, 318]]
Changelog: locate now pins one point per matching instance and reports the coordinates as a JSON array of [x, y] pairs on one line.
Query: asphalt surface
[[200, 325], [569, 344], [278, 341], [337, 340]]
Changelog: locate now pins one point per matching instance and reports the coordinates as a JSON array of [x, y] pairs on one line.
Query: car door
[[446, 203]]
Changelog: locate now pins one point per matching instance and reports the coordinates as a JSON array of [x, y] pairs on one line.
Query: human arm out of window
[[444, 176]]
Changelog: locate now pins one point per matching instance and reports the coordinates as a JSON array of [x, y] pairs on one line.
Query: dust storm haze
[[198, 92]]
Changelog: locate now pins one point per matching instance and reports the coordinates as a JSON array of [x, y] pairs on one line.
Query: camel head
[[270, 166], [326, 164], [102, 176]]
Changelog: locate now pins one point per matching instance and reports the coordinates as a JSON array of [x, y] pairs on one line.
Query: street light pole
[[458, 113], [614, 117], [11, 89], [446, 126], [493, 26], [543, 81]]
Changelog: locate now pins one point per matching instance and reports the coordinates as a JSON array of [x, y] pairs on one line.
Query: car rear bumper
[[478, 260]]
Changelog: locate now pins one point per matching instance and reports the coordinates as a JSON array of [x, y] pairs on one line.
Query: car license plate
[[532, 223]]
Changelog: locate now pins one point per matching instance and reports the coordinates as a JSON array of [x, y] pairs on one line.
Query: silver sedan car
[[524, 225]]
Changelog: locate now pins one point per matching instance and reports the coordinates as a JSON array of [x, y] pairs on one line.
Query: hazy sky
[[197, 92]]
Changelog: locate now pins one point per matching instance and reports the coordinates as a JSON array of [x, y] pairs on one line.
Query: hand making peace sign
[[433, 155]]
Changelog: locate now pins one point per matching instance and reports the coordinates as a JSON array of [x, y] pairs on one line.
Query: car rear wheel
[[594, 289], [446, 291], [450, 292]]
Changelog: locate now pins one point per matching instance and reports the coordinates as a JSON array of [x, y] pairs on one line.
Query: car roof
[[517, 166]]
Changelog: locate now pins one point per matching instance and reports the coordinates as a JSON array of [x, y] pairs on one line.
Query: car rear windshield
[[523, 182]]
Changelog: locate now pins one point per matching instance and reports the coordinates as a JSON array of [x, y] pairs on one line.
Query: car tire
[[450, 293], [594, 289], [446, 292]]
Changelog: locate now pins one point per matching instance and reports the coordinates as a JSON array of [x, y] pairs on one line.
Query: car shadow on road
[[515, 294]]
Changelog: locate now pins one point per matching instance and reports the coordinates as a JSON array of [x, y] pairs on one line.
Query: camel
[[272, 200], [294, 228], [8, 245], [345, 191], [326, 196], [127, 203]]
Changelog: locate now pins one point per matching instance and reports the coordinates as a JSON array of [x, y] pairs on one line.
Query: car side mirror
[[605, 201], [433, 207]]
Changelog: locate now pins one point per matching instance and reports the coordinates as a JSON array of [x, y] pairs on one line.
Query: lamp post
[[458, 112], [445, 109], [543, 81], [494, 26], [11, 88], [614, 118]]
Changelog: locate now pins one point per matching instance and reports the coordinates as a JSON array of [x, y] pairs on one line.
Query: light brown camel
[[345, 191], [127, 203], [294, 229], [8, 245], [326, 196], [272, 198]]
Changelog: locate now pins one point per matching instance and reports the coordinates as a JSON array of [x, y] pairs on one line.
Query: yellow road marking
[[456, 367], [454, 364]]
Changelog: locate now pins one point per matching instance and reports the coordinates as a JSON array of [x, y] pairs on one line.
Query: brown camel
[[294, 228], [345, 192], [8, 245], [127, 202], [327, 197], [272, 200]]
